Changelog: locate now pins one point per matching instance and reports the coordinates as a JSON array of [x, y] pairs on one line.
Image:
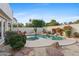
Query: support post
[[2, 30]]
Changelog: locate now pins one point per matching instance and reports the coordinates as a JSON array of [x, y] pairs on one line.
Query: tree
[[14, 25], [52, 23], [20, 25], [30, 20], [70, 22], [76, 22], [29, 25], [65, 23], [38, 23]]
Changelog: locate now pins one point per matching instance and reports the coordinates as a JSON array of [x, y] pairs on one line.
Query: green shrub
[[68, 33], [68, 30], [76, 34], [14, 25], [8, 35], [15, 40], [49, 32]]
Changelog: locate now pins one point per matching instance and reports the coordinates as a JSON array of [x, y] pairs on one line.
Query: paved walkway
[[47, 42], [39, 43], [5, 50], [68, 50]]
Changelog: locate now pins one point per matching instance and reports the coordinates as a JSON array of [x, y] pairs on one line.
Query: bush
[[68, 33], [14, 25], [8, 35], [49, 32], [16, 41], [59, 30], [35, 29], [44, 31], [67, 30], [76, 34], [53, 31]]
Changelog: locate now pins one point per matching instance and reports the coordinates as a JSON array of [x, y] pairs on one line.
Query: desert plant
[[53, 31], [68, 33], [59, 30], [67, 30], [76, 34]]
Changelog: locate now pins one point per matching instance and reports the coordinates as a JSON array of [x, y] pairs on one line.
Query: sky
[[61, 12]]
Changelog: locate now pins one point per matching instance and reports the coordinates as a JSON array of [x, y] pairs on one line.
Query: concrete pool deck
[[41, 42], [68, 50]]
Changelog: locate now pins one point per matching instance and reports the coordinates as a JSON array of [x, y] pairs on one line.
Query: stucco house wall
[[6, 17], [7, 14], [6, 9]]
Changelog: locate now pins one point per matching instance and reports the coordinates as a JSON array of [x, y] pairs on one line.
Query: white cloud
[[24, 17], [68, 19]]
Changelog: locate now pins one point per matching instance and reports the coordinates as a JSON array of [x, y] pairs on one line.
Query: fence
[[49, 28]]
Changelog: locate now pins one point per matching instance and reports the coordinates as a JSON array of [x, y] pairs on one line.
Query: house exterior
[[6, 17], [14, 21]]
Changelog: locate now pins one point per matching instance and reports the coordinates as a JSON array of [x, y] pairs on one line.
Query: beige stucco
[[6, 9], [6, 17], [74, 26], [49, 28]]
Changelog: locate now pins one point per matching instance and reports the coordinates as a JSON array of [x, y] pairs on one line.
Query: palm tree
[[30, 20]]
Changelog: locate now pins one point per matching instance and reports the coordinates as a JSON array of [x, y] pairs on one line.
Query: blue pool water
[[35, 37]]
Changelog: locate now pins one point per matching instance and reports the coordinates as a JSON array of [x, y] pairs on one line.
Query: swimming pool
[[35, 37]]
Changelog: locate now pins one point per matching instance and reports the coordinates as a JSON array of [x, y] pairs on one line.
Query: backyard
[[41, 42], [39, 30]]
